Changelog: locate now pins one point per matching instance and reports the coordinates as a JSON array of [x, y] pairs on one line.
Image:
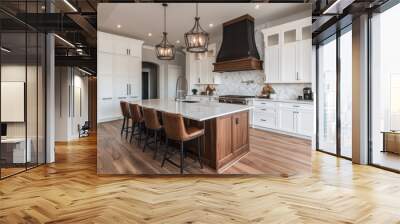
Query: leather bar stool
[[175, 129], [137, 121], [127, 117], [152, 124]]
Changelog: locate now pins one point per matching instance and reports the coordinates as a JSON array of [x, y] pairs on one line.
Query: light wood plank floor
[[70, 191], [270, 153]]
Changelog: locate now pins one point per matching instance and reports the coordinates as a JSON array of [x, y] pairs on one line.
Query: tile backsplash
[[251, 83]]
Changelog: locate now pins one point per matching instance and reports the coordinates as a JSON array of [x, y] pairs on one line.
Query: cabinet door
[[240, 135], [105, 110], [104, 86], [272, 63], [303, 60], [121, 45], [305, 122], [105, 42], [289, 62], [135, 49], [287, 119], [104, 63]]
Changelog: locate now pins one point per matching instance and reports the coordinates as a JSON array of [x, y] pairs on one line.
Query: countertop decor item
[[197, 39], [194, 91], [165, 50], [267, 90], [210, 90]]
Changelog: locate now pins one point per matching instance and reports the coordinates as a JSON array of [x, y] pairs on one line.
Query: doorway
[[150, 80]]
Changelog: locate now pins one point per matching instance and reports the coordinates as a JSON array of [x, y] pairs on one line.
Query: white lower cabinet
[[290, 118]]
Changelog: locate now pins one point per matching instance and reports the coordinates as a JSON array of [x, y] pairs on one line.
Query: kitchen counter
[[200, 111], [226, 128]]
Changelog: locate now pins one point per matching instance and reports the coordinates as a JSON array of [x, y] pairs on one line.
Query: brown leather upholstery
[[151, 119], [175, 128], [124, 108], [136, 112]]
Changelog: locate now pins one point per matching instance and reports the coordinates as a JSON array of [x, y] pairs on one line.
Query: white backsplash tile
[[234, 83]]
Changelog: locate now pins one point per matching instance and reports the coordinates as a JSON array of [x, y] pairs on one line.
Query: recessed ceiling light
[[149, 34], [210, 25], [257, 6], [119, 26], [43, 7], [178, 41]]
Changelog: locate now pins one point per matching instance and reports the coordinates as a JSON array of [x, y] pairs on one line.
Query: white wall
[[68, 82]]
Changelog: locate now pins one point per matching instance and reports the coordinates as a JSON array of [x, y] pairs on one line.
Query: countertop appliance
[[307, 93], [235, 99]]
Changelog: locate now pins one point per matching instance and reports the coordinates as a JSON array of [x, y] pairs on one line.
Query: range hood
[[238, 51]]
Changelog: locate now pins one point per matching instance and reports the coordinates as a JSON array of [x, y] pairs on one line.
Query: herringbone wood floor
[[69, 191]]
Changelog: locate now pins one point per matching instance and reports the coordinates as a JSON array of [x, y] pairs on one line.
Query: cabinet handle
[[199, 80], [121, 97], [297, 75], [107, 98], [127, 87], [262, 103], [263, 120], [264, 109], [296, 106], [237, 120]]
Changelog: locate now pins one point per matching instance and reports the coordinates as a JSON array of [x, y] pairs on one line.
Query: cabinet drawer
[[264, 110], [297, 106], [267, 120], [260, 103]]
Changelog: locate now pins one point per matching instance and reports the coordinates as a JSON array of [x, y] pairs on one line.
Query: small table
[[391, 141]]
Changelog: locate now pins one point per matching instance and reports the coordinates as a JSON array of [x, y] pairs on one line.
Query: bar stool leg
[[127, 128], [147, 137], [182, 159], [166, 152], [156, 150], [199, 153], [123, 126], [133, 131]]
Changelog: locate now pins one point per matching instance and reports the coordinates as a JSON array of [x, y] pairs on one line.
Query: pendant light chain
[[165, 19]]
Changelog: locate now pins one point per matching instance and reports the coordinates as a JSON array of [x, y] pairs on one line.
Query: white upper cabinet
[[119, 73], [288, 52], [199, 68], [105, 42]]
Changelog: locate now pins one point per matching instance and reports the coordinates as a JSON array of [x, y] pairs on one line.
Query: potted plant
[[194, 91]]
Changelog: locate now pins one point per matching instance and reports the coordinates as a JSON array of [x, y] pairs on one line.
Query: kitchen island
[[226, 138]]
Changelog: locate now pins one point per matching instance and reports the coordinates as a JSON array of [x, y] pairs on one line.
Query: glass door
[[346, 92], [385, 89], [327, 96]]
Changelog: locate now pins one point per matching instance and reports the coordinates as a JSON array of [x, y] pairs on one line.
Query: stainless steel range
[[235, 99]]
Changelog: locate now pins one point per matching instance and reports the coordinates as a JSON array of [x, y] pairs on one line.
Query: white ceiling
[[139, 19]]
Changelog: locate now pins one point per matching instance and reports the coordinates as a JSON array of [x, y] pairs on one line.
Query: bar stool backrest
[[174, 126], [136, 112], [124, 108], [151, 119]]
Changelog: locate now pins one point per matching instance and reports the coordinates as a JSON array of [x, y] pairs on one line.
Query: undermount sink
[[189, 101]]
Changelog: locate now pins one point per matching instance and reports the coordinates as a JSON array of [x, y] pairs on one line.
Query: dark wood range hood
[[238, 51]]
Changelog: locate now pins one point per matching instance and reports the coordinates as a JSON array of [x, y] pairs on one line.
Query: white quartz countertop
[[200, 111]]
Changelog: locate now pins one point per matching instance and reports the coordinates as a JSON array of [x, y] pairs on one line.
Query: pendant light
[[165, 50], [196, 39]]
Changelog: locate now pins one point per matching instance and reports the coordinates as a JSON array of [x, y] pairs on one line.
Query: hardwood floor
[[269, 154], [70, 191]]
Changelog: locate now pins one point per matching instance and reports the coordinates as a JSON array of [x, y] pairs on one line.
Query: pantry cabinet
[[119, 73], [288, 52]]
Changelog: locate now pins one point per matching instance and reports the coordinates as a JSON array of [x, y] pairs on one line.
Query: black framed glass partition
[[384, 112], [22, 88], [334, 94]]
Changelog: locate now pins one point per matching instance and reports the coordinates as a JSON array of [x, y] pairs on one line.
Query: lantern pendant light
[[165, 50], [197, 39]]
